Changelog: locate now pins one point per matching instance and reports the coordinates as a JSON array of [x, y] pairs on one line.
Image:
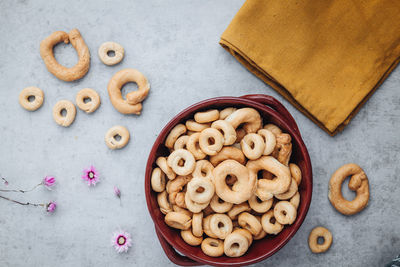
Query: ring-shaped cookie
[[206, 187], [249, 116], [245, 233], [313, 239], [70, 110], [289, 193], [269, 140], [246, 183], [228, 152], [260, 206], [269, 226], [31, 92], [191, 125], [295, 172], [235, 245], [295, 200], [223, 114], [249, 222], [212, 247], [178, 220], [358, 182], [206, 226], [237, 209], [157, 180], [90, 94], [176, 184], [173, 135], [107, 47], [191, 239], [220, 225], [61, 72], [203, 170], [132, 104], [188, 162], [112, 133], [273, 128], [284, 212], [252, 146], [206, 116], [220, 206], [165, 206], [162, 163], [227, 129], [197, 224], [194, 147], [211, 141], [193, 206], [181, 142]]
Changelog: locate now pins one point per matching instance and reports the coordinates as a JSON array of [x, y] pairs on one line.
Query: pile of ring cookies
[[227, 181], [88, 100]]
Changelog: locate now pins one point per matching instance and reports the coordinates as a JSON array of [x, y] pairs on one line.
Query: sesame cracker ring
[[181, 142], [107, 47], [269, 140], [205, 141], [191, 239], [165, 206], [223, 114], [269, 227], [358, 182], [111, 135], [284, 212], [227, 129], [206, 116], [250, 222], [32, 92], [132, 104], [193, 206], [198, 183], [228, 152], [188, 165], [246, 183], [173, 135], [313, 239], [70, 109], [162, 163], [249, 116], [220, 206], [235, 245], [279, 184], [203, 170], [157, 180], [91, 95], [289, 193], [237, 209], [194, 147], [212, 247], [295, 172], [191, 125], [260, 206], [220, 225], [252, 146], [61, 72], [197, 224], [178, 220]]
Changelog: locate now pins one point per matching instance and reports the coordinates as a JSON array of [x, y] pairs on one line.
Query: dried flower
[[90, 175], [117, 192], [121, 241], [51, 206], [49, 181]]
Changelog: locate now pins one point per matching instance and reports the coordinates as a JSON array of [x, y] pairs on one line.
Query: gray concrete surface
[[175, 44]]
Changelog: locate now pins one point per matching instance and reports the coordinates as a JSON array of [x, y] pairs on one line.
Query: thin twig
[[21, 191], [22, 203]]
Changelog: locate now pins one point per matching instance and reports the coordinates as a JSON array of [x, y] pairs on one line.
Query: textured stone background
[[175, 44]]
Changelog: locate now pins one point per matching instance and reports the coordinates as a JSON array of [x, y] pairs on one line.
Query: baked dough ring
[[203, 170], [220, 206], [223, 114], [246, 183], [193, 206], [176, 184], [228, 152], [181, 154], [61, 72], [206, 226], [249, 116], [28, 92], [162, 163], [132, 103], [108, 47], [206, 116], [290, 193], [178, 220], [295, 200], [295, 172], [212, 247], [165, 206], [284, 212], [193, 146], [235, 245], [260, 206], [91, 94], [70, 109], [269, 227], [157, 180], [204, 141], [220, 225], [253, 146], [358, 182], [227, 129], [250, 222], [181, 142], [313, 239], [273, 128], [114, 131], [191, 125], [173, 135], [269, 140], [237, 209], [245, 233], [197, 224], [199, 183], [191, 239]]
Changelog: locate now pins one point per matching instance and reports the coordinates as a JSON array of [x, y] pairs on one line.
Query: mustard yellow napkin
[[326, 57]]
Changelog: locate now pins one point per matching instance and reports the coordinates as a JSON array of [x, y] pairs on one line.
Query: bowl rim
[[233, 101]]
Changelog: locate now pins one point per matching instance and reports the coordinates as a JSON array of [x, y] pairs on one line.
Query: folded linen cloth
[[325, 57]]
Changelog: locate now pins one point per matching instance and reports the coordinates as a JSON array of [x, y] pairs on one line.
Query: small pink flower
[[51, 206], [117, 192], [90, 175], [49, 181], [121, 241]]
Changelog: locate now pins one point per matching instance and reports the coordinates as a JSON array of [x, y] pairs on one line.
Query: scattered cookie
[[31, 92], [117, 137], [315, 247], [93, 100], [70, 113], [108, 47]]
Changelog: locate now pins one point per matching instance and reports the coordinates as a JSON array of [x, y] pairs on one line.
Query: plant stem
[[22, 203], [21, 191]]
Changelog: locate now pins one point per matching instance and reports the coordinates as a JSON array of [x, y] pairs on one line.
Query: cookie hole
[[230, 180], [252, 145], [221, 224], [31, 98], [211, 141], [258, 200], [181, 162], [346, 192], [117, 137], [203, 173], [63, 112], [235, 246], [65, 54], [127, 88], [200, 189], [320, 240], [220, 201], [284, 212], [111, 53], [260, 174], [87, 100], [214, 244], [272, 220]]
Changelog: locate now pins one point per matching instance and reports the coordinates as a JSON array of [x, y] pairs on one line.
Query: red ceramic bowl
[[271, 111]]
